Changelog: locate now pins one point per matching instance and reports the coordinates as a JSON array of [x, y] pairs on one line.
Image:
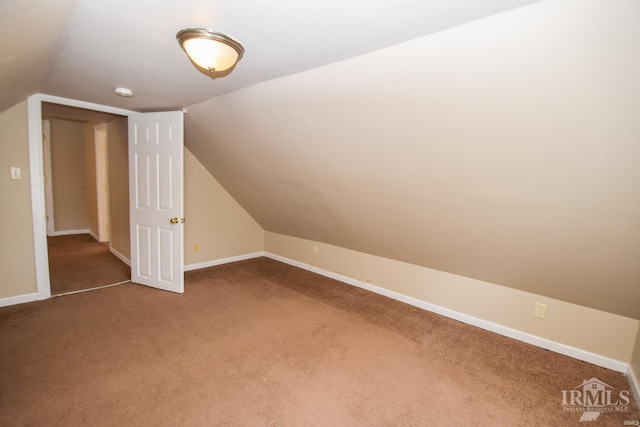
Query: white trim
[[221, 261], [556, 347], [82, 104], [100, 141], [48, 186], [19, 299], [91, 289], [120, 256], [38, 212], [635, 384], [71, 232]]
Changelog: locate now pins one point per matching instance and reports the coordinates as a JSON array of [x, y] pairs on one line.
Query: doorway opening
[[155, 243], [78, 145]]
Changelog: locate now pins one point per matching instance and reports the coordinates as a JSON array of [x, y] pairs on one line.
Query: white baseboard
[[635, 384], [120, 256], [69, 232], [221, 261], [18, 299], [566, 350]]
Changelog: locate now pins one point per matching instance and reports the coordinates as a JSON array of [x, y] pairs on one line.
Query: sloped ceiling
[[27, 51], [84, 52], [494, 150]]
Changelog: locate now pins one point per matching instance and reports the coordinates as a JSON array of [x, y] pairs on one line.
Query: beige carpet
[[260, 343], [78, 262]]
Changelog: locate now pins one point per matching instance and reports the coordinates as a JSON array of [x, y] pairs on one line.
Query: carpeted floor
[[261, 343], [78, 262]]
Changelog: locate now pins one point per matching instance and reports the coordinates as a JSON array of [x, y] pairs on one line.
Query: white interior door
[[155, 199]]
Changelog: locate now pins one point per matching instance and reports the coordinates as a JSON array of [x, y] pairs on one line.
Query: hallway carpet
[[78, 261], [261, 343]]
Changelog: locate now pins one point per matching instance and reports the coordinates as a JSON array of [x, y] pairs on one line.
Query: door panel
[[156, 174], [142, 179], [144, 267]]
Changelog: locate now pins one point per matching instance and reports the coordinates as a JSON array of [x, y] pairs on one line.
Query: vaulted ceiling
[[503, 149], [83, 49]]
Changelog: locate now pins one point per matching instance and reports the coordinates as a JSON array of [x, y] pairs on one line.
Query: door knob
[[173, 220]]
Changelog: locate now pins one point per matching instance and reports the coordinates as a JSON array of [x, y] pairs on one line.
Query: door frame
[[36, 177], [48, 183], [100, 132]]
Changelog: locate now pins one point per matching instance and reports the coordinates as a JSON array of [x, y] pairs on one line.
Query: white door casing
[[100, 132], [36, 178], [48, 179], [155, 199]]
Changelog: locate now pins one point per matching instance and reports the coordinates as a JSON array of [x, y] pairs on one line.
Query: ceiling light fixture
[[214, 54], [123, 91]]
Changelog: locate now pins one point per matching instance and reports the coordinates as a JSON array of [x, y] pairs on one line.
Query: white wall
[[118, 146], [17, 274], [69, 175], [216, 226]]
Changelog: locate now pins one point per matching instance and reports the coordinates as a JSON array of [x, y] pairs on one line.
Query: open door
[[155, 192]]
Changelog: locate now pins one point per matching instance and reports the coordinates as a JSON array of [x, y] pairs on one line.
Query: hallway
[[79, 262]]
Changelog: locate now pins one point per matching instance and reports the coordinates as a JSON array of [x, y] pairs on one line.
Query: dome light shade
[[213, 53]]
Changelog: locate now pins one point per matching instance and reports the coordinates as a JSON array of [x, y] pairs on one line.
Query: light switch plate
[[16, 173]]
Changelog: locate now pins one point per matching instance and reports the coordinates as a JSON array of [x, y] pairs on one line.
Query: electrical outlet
[[540, 311], [196, 247], [314, 250]]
